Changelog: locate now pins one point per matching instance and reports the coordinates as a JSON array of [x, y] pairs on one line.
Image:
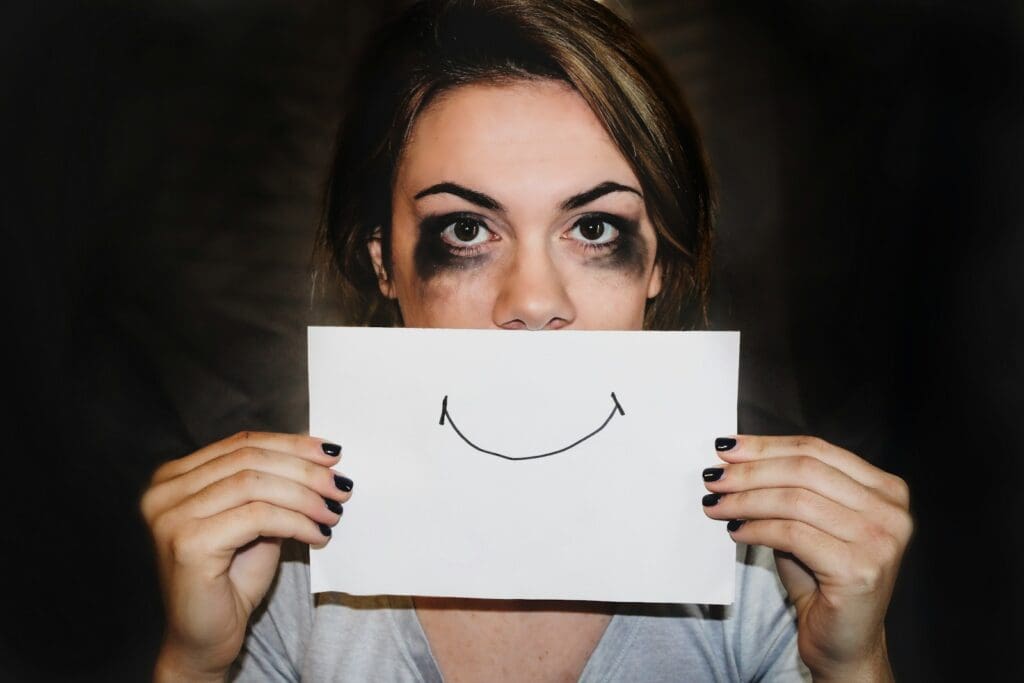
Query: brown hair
[[437, 45]]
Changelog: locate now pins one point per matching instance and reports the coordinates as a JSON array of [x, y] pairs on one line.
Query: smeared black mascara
[[433, 255], [628, 254]]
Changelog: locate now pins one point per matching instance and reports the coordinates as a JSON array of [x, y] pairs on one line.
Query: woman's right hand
[[218, 517]]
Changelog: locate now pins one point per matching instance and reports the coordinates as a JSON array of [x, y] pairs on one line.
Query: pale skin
[[530, 247]]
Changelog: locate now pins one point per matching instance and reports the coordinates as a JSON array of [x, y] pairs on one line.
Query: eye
[[594, 230], [465, 232]]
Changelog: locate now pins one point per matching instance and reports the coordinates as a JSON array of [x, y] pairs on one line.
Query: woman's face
[[514, 209]]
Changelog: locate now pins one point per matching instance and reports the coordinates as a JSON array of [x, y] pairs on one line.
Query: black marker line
[[617, 408], [618, 405]]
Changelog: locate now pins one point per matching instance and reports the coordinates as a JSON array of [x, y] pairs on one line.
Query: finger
[[749, 447], [801, 471], [249, 486], [220, 536], [795, 504], [822, 553], [317, 477], [310, 448]]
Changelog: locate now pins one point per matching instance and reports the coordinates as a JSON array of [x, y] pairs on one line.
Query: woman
[[521, 165]]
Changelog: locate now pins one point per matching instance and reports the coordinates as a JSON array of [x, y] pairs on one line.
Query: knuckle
[[866, 576], [249, 478], [159, 474], [907, 528], [805, 465], [314, 505], [248, 436], [259, 511], [809, 443], [899, 489], [147, 506], [315, 474], [892, 549], [792, 533], [185, 545], [243, 436], [793, 498], [882, 539], [234, 459], [887, 543], [901, 528], [162, 527], [801, 500], [248, 456], [736, 500]]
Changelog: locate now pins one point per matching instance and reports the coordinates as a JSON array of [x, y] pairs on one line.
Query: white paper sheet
[[467, 509]]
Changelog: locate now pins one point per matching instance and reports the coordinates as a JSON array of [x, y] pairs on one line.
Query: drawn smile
[[445, 415]]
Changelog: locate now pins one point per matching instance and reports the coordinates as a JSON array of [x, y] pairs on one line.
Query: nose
[[532, 294]]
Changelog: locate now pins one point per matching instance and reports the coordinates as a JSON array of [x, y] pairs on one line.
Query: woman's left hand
[[839, 526]]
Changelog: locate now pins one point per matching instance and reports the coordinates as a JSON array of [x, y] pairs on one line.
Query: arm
[[839, 527]]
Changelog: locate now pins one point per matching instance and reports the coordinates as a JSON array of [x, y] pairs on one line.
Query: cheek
[[608, 300], [454, 299]]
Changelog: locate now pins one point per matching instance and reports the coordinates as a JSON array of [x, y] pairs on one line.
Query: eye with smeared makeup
[[598, 232], [452, 241], [463, 234], [609, 241], [461, 240]]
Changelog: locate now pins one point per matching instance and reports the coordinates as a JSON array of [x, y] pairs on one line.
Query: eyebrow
[[607, 187], [484, 201]]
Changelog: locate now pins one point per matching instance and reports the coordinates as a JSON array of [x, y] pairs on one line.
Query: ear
[[375, 246], [654, 284]]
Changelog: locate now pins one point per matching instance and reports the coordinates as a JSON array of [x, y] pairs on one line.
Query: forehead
[[538, 137]]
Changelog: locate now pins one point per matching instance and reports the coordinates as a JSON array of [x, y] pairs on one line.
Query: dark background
[[163, 163]]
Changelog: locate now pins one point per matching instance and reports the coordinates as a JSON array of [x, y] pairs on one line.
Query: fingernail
[[324, 529], [713, 473], [331, 449], [735, 524], [333, 505], [724, 443], [710, 499], [343, 483]]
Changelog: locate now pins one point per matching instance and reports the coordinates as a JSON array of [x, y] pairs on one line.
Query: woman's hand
[[839, 527], [217, 518]]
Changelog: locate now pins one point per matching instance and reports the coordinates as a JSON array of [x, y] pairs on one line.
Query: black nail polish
[[713, 473], [343, 483], [333, 505], [331, 449], [735, 524], [325, 530], [710, 499], [725, 443]]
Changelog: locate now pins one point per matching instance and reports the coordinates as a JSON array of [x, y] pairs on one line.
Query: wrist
[[874, 668], [173, 667]]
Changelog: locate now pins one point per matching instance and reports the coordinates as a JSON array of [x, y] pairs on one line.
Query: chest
[[474, 640]]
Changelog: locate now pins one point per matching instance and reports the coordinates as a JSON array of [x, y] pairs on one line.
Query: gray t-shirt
[[337, 637]]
